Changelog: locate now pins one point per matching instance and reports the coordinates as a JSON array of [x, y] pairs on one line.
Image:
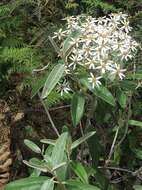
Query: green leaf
[[32, 146], [80, 171], [48, 185], [135, 123], [122, 98], [59, 150], [48, 141], [36, 165], [30, 183], [82, 139], [81, 186], [101, 92], [62, 169], [58, 156], [137, 187], [77, 108], [52, 80]]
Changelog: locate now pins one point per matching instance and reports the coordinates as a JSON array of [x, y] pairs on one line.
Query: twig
[[57, 49], [112, 146], [81, 128], [118, 180], [60, 107], [49, 116], [39, 70], [115, 168]]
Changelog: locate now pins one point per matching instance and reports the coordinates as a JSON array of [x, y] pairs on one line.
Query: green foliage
[[56, 160]]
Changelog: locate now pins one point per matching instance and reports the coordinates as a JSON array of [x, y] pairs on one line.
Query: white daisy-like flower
[[88, 39], [125, 53], [60, 34], [75, 42], [126, 27], [75, 59], [105, 65], [95, 81], [117, 71], [91, 63], [134, 45], [88, 19], [118, 16], [67, 70], [103, 48], [72, 23], [64, 87], [122, 15], [114, 21], [87, 50], [102, 20], [87, 28], [115, 44]]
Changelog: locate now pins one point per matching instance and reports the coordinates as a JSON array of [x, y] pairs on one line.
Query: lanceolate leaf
[[48, 141], [80, 171], [59, 150], [135, 123], [101, 92], [32, 146], [82, 139], [37, 166], [29, 183], [77, 108], [52, 80]]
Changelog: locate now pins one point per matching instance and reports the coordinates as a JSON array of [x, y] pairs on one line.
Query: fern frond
[[23, 59], [54, 98], [12, 42], [6, 9], [94, 4]]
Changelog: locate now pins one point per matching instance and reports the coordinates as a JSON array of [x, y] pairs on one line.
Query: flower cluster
[[102, 47]]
